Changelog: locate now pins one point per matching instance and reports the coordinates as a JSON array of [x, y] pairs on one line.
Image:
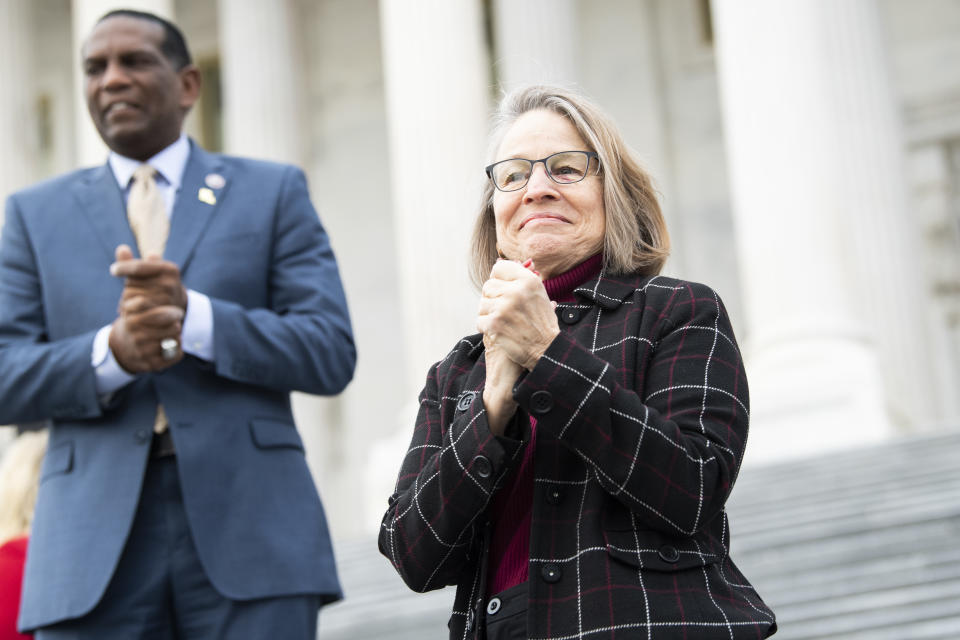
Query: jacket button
[[481, 464], [554, 496], [570, 316], [493, 606], [668, 553], [466, 399], [550, 573], [541, 402], [141, 436]]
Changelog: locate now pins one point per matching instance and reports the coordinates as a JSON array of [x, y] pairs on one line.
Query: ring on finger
[[169, 348]]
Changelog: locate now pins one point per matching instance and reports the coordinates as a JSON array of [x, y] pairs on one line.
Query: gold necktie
[[148, 220], [147, 213]]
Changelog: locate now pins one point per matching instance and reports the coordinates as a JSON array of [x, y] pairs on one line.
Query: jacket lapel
[[101, 200], [195, 205], [608, 292]]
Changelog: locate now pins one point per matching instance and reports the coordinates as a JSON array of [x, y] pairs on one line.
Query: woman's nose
[[540, 184]]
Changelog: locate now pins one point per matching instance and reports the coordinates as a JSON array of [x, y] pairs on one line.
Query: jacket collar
[[609, 292]]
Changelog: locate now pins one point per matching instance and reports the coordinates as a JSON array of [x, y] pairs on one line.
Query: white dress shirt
[[196, 337]]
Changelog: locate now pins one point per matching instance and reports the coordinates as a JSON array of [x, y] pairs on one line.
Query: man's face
[[136, 99]]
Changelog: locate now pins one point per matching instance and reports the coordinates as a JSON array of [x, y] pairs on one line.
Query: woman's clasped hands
[[518, 323]]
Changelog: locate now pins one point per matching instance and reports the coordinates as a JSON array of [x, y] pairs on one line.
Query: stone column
[[437, 106], [437, 99], [536, 41], [834, 346], [262, 70], [15, 101], [90, 149]]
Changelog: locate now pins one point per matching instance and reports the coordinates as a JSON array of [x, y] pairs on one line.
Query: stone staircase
[[860, 544]]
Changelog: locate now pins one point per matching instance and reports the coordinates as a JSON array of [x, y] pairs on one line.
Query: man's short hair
[[174, 45]]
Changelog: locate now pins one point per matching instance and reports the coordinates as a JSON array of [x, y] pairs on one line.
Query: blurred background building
[[808, 157], [807, 152]]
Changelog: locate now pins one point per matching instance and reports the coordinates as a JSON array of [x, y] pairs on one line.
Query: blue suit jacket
[[280, 324]]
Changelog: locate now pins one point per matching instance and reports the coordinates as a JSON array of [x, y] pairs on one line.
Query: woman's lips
[[542, 218]]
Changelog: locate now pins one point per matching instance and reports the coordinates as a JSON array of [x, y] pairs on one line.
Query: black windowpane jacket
[[642, 411]]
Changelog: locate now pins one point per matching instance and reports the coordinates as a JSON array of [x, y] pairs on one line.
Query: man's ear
[[190, 82]]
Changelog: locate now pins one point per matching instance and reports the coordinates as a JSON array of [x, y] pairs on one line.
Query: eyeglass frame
[[591, 155]]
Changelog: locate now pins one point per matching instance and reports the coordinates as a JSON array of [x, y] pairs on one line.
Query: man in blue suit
[[175, 500]]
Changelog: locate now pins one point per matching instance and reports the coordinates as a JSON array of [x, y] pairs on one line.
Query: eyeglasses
[[566, 167]]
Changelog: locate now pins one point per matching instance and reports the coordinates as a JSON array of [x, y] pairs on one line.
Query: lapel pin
[[214, 181], [206, 195]]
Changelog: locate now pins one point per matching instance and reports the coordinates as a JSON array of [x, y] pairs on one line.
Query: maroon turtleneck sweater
[[511, 509]]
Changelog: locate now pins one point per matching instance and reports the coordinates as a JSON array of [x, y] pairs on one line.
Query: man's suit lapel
[[194, 206], [101, 200]]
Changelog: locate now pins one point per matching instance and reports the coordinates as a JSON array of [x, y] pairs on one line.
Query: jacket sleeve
[[304, 340], [448, 476], [39, 378], [669, 444]]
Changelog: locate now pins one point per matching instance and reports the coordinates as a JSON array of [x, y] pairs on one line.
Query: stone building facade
[[807, 152]]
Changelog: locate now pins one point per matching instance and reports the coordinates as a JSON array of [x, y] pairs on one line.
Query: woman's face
[[558, 226]]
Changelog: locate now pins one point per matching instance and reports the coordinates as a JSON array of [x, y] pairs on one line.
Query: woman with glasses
[[570, 463]]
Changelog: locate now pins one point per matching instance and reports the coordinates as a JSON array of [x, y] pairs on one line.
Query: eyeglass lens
[[563, 168]]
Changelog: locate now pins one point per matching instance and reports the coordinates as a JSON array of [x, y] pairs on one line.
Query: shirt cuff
[[197, 335], [110, 376]]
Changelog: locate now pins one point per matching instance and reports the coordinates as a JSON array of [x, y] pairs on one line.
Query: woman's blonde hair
[[636, 238], [19, 476]]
